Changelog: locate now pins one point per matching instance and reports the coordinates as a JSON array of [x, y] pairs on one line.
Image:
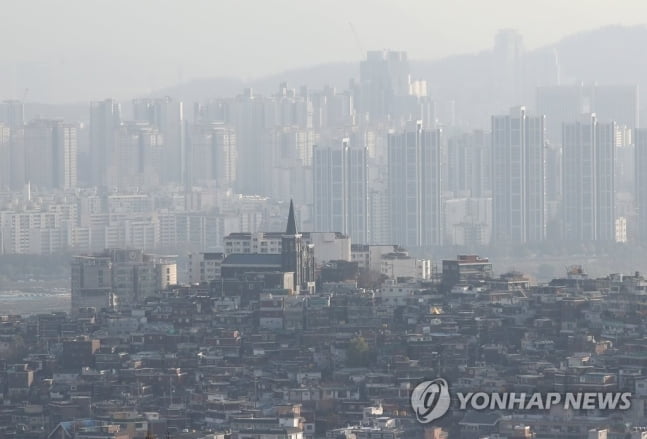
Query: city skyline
[[48, 75], [323, 220], [407, 170]]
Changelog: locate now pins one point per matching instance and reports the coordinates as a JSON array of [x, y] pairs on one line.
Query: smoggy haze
[[78, 50]]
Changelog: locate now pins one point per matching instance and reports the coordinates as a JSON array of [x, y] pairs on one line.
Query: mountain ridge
[[605, 55]]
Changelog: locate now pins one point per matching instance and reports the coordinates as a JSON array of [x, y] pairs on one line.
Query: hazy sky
[[67, 50]]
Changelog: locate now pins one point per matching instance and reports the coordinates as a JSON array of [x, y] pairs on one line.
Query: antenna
[[359, 44]]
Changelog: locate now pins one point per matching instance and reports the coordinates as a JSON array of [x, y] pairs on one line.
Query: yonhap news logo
[[431, 399]]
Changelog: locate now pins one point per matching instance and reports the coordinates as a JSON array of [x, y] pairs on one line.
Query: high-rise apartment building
[[247, 114], [137, 156], [212, 154], [341, 190], [508, 54], [384, 76], [518, 191], [379, 216], [414, 176], [50, 153], [5, 157], [105, 118], [640, 196], [289, 165], [288, 107], [468, 164], [66, 156], [274, 139], [332, 108], [565, 103], [588, 203], [167, 116], [12, 153], [13, 113]]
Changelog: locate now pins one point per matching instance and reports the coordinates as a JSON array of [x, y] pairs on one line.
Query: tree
[[370, 279], [358, 353]]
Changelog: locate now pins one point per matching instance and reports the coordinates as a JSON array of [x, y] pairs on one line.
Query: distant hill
[[610, 55], [613, 54], [315, 77], [607, 55]]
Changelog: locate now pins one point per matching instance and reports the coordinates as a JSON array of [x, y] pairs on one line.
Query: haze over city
[[323, 220], [77, 50]]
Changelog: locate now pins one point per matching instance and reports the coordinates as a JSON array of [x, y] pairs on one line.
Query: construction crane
[[359, 44]]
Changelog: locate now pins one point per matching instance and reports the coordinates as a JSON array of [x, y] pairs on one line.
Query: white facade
[[518, 168], [414, 170], [379, 214], [205, 267], [395, 265], [370, 256], [341, 190], [329, 246], [393, 294], [621, 229], [588, 205], [253, 243]]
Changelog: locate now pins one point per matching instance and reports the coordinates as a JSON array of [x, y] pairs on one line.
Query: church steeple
[[291, 229]]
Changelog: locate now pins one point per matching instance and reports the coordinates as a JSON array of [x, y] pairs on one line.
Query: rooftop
[[253, 259]]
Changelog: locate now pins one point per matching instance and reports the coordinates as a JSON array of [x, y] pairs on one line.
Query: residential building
[[565, 103], [212, 155], [518, 192], [401, 265], [465, 268], [369, 257], [105, 117], [5, 157], [118, 277], [383, 77], [588, 204], [468, 221], [328, 246], [50, 154], [640, 140], [205, 267], [415, 186], [167, 117], [468, 164], [340, 190]]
